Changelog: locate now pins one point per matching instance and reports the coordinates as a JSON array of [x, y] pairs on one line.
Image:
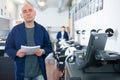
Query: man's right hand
[[20, 53]]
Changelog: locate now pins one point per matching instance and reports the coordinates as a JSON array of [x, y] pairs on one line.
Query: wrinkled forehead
[[27, 7]]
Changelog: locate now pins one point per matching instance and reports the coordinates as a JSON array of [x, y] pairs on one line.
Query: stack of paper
[[30, 49]]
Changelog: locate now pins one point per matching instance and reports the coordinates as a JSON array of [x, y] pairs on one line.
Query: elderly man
[[29, 33]]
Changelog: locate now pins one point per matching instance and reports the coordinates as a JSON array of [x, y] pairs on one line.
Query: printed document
[[30, 49]]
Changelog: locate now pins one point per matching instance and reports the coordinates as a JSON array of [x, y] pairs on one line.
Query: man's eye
[[24, 11], [30, 10]]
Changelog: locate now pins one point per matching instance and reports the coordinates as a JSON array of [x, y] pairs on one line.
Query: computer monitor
[[97, 41], [86, 57]]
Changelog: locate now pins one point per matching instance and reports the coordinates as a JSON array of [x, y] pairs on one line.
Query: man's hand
[[40, 52], [20, 53]]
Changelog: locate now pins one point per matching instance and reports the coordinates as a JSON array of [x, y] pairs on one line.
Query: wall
[[109, 17], [50, 17], [9, 9], [4, 24]]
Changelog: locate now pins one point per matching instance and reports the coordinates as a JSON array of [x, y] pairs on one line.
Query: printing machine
[[94, 63], [105, 68]]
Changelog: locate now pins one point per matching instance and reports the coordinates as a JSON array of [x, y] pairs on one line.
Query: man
[[62, 35], [29, 33]]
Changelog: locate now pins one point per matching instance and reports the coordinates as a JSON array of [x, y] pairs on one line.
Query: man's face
[[62, 29], [28, 13]]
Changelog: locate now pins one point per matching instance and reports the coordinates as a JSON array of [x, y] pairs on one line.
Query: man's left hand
[[40, 52]]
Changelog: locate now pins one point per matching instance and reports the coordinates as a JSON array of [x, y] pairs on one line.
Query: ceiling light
[[42, 3]]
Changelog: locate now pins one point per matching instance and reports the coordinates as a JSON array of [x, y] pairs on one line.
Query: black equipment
[[107, 55], [97, 41], [109, 32]]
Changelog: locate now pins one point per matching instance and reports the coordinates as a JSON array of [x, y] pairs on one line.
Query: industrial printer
[[93, 62]]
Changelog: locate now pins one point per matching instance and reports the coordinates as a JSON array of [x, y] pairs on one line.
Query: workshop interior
[[92, 51]]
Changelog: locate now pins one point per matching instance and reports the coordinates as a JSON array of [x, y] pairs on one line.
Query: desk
[[73, 73], [6, 68], [2, 48]]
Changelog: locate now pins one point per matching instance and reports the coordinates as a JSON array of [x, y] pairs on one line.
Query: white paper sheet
[[29, 49]]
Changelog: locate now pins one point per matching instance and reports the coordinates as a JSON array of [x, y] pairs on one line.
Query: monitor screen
[[96, 42]]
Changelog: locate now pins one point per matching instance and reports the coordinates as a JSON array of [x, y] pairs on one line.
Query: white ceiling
[[53, 3], [60, 4], [50, 3]]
